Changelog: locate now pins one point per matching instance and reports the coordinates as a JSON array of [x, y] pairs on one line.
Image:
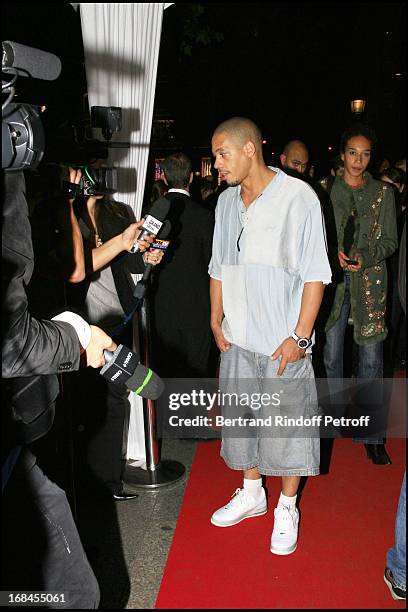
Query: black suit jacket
[[34, 350], [181, 281]]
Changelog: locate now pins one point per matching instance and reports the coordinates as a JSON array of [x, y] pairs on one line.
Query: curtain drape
[[121, 45]]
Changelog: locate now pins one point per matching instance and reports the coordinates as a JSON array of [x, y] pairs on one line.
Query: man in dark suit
[[182, 339]]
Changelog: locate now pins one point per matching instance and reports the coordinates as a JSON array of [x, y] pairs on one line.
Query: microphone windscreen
[[36, 63], [145, 382], [160, 208], [165, 230]]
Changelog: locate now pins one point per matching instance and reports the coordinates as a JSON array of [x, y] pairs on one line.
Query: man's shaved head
[[294, 144], [237, 148], [295, 155], [240, 130]]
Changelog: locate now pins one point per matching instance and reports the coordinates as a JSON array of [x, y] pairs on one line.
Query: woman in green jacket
[[365, 235]]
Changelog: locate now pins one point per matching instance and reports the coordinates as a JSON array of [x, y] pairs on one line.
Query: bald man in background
[[295, 155]]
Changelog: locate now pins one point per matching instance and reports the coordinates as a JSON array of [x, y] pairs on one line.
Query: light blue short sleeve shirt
[[263, 255]]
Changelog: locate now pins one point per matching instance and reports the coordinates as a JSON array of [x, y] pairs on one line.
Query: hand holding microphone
[[153, 221], [124, 367], [152, 257], [130, 235], [157, 255], [94, 352]]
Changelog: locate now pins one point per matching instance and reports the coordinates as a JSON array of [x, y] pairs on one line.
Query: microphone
[[29, 61], [123, 367], [140, 288], [154, 220]]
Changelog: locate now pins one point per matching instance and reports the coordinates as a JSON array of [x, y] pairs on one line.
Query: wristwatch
[[303, 343]]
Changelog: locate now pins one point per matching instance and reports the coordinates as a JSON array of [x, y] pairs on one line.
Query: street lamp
[[357, 106]]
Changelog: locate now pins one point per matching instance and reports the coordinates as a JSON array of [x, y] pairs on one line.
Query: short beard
[[234, 183]]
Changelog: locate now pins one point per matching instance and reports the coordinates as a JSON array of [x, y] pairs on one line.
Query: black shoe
[[123, 494], [396, 591], [377, 454]]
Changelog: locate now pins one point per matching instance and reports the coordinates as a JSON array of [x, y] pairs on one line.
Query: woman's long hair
[[110, 207]]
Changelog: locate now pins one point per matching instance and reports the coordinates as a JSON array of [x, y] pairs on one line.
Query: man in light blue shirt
[[268, 270]]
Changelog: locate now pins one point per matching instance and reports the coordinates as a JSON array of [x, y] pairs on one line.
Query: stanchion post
[[157, 473]]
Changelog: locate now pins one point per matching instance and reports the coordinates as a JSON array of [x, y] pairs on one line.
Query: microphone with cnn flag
[[124, 367]]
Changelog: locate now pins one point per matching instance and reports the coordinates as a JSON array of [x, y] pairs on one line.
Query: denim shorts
[[293, 454]]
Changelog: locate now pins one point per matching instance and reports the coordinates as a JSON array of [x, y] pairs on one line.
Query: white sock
[[253, 487], [289, 502]]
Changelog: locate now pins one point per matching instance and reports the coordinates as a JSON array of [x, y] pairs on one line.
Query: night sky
[[291, 67]]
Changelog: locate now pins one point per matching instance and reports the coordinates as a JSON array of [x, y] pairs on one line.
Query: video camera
[[23, 138], [94, 181]]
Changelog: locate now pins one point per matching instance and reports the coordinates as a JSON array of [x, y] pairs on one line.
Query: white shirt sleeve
[[314, 264], [214, 267], [81, 327]]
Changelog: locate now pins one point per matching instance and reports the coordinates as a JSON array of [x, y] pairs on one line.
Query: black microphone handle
[[141, 286], [147, 272], [163, 233]]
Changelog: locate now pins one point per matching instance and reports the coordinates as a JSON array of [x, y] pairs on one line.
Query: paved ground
[[128, 541]]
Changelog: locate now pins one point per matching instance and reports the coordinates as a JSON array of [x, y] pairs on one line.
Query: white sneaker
[[285, 530], [242, 505]]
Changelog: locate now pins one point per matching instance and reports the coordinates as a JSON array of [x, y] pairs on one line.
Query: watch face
[[303, 343]]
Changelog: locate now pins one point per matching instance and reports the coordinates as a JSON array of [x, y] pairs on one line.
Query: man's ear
[[282, 158], [249, 148], [191, 178]]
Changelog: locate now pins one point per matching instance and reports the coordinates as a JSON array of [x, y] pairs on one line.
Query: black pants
[[183, 352], [41, 549], [102, 416], [102, 412]]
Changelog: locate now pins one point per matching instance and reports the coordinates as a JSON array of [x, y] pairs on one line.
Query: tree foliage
[[197, 31]]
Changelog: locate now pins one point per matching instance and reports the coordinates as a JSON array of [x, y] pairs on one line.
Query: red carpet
[[347, 525]]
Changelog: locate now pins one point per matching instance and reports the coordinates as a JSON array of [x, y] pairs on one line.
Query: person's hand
[[342, 259], [99, 342], [153, 256], [358, 266], [74, 176], [349, 267], [289, 352], [220, 339], [130, 234]]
